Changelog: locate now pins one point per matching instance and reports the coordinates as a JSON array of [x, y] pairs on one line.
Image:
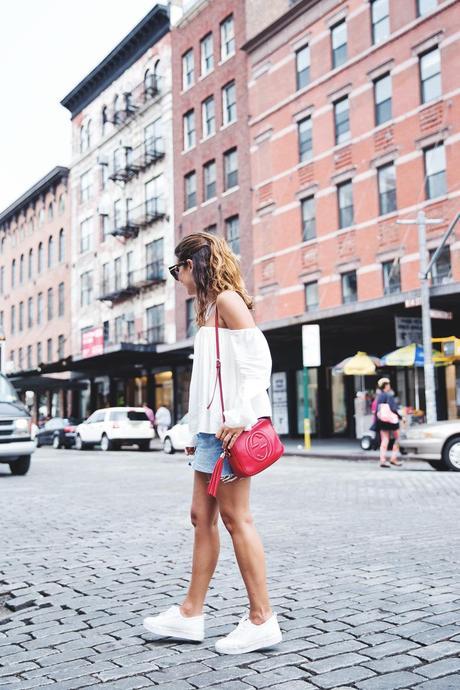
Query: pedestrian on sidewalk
[[150, 414], [210, 272], [162, 421], [387, 422]]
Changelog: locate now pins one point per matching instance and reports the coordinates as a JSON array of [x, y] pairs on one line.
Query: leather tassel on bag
[[215, 477]]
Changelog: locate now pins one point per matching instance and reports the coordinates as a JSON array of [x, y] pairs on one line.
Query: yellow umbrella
[[361, 364]]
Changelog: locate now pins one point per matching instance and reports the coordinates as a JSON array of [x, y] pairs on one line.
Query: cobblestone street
[[363, 567]]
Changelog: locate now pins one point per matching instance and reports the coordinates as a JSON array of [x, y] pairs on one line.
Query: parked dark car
[[58, 432], [16, 445]]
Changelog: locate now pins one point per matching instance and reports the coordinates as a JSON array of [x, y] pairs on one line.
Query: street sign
[[408, 330], [311, 346], [439, 314], [414, 302]]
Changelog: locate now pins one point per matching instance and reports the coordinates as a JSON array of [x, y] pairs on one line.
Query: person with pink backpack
[[387, 422]]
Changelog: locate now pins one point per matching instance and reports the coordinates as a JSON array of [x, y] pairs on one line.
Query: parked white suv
[[113, 427]]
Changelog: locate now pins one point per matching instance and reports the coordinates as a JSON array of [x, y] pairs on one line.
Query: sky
[[46, 48]]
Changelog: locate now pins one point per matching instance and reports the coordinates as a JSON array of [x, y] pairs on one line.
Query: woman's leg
[[204, 516], [384, 441], [233, 501], [395, 450]]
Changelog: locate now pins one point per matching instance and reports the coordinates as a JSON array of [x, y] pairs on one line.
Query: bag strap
[[218, 369]]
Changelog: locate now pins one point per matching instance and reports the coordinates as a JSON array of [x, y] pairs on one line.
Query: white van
[[113, 427], [16, 444]]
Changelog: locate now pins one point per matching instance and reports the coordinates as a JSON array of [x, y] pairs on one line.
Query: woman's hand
[[189, 450], [229, 435]]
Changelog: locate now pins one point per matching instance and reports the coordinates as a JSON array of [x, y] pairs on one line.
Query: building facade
[[122, 210], [35, 293], [354, 124]]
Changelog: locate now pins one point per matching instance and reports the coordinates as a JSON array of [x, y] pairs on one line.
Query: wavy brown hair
[[215, 269]]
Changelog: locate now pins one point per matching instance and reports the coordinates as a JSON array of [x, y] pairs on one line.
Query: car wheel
[[168, 446], [21, 466], [144, 445], [451, 454], [106, 443], [439, 465], [79, 445], [366, 443], [56, 442]]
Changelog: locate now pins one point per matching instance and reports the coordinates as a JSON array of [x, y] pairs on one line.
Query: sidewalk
[[342, 448]]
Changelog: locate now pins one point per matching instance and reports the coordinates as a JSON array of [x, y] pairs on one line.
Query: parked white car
[[177, 436], [113, 427], [438, 444]]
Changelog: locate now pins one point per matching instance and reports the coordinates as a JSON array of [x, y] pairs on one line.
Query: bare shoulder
[[234, 311]]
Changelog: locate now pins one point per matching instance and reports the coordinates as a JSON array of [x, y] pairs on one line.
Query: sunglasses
[[174, 270]]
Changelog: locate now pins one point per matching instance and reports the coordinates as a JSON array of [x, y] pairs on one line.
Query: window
[[339, 44], [117, 214], [20, 362], [302, 64], [85, 235], [190, 190], [424, 6], [118, 328], [387, 188], [153, 138], [308, 218], [85, 186], [153, 199], [311, 296], [342, 120], [106, 332], [441, 271], [188, 70], [430, 75], [208, 115], [435, 172], [49, 350], [30, 312], [380, 17], [50, 252], [61, 246], [304, 129], [39, 308], [21, 317], [104, 120], [86, 288], [229, 103], [39, 354], [13, 273], [40, 258], [211, 229], [13, 319], [117, 273], [345, 199], [60, 352], [105, 278], [227, 38], [29, 356], [382, 99], [129, 267], [391, 277], [30, 262], [349, 287], [207, 55], [61, 299], [154, 252], [50, 304], [232, 233], [2, 280], [61, 204], [104, 175], [209, 180], [189, 130], [21, 269], [190, 318], [230, 169], [50, 211], [156, 323], [105, 226]]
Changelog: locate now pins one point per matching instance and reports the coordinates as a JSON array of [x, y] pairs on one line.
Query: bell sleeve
[[254, 365]]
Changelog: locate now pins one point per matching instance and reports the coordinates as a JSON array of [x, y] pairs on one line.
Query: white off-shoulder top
[[246, 366]]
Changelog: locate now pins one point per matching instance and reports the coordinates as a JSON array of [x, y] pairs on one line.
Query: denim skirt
[[207, 452]]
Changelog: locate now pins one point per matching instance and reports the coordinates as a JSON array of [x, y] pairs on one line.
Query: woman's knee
[[234, 521], [203, 519]]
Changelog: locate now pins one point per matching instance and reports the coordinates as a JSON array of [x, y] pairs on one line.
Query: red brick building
[[35, 292], [354, 124], [210, 133]]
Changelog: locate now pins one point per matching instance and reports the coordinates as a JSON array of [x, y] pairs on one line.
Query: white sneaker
[[248, 637], [172, 623]]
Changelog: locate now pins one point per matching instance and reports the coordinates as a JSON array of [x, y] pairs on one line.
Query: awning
[[41, 384]]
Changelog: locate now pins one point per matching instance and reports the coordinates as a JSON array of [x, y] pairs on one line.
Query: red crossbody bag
[[254, 450]]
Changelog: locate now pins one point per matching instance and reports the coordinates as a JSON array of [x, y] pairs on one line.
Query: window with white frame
[[188, 69], [229, 103], [190, 190], [441, 271], [345, 203], [86, 288], [425, 6], [155, 323], [154, 253], [302, 62], [232, 233], [30, 264], [208, 115], [304, 129], [189, 130], [430, 75], [391, 272], [230, 169], [86, 235], [209, 180], [207, 54], [435, 171], [386, 176], [339, 43], [382, 99], [227, 38], [311, 296], [308, 218], [85, 187], [380, 18], [342, 120], [61, 299]]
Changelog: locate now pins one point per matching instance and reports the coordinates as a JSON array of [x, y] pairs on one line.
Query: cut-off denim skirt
[[207, 452]]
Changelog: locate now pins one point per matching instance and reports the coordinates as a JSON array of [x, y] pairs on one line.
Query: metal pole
[[306, 411], [430, 389]]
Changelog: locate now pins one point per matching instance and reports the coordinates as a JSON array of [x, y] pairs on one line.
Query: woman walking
[[210, 272], [387, 422]]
